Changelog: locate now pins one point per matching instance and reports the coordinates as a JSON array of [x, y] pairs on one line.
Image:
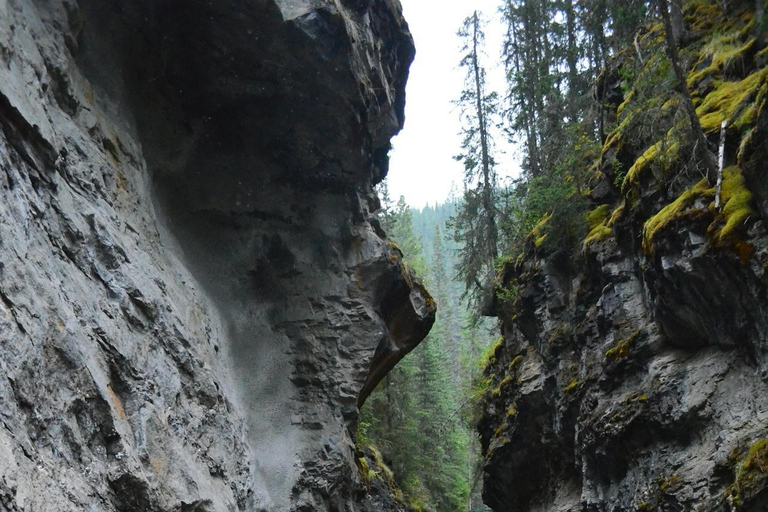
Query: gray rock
[[645, 392], [193, 303]]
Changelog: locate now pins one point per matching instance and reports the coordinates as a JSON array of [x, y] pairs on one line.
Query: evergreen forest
[[600, 98]]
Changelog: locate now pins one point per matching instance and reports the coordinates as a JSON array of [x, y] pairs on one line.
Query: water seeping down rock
[[194, 295], [633, 374]]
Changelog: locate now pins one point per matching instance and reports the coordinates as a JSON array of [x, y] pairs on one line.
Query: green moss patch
[[728, 229], [721, 51], [598, 230], [538, 233], [617, 214], [506, 381], [678, 209], [620, 351], [751, 474], [601, 223], [663, 153], [737, 207], [729, 97], [573, 385]]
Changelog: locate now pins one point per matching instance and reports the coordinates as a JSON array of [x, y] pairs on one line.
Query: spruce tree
[[475, 225]]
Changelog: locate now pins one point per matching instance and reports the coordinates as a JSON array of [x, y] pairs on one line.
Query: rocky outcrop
[[195, 297], [633, 376]]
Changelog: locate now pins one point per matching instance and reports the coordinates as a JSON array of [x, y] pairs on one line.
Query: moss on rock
[[663, 153], [679, 208], [731, 98], [751, 474], [737, 207]]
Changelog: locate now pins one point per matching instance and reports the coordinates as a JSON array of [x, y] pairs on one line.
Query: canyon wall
[[195, 294], [633, 370]]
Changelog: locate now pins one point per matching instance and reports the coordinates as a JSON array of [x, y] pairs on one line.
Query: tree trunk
[[696, 130], [572, 56], [485, 155], [676, 17], [721, 164], [639, 51]]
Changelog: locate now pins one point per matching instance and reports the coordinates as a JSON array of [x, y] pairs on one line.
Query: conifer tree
[[475, 225]]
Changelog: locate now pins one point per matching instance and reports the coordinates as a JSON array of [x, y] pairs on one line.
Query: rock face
[[634, 375], [195, 297]]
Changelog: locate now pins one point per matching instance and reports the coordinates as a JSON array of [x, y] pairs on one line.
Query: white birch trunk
[[721, 163]]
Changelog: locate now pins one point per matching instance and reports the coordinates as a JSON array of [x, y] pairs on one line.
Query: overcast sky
[[422, 166]]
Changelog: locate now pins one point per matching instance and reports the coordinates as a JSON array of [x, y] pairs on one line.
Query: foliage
[[415, 415], [556, 196], [751, 474], [475, 225]]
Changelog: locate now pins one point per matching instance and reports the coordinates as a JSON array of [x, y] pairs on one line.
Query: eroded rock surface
[[633, 372], [194, 294]]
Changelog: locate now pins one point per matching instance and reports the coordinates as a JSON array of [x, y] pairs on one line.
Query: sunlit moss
[[620, 351], [496, 393], [663, 152], [538, 232], [679, 208], [722, 50], [597, 216], [747, 140], [572, 385], [597, 228], [737, 204], [624, 103], [723, 102], [601, 223], [617, 214], [384, 472], [750, 474], [491, 353], [670, 104], [601, 232]]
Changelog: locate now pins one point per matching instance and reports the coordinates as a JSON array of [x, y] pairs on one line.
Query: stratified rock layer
[[194, 295], [633, 374]]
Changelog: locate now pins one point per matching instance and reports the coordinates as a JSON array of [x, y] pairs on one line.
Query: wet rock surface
[[621, 387], [632, 376], [194, 297]]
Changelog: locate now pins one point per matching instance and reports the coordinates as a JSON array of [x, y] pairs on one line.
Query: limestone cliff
[[195, 297], [633, 374]]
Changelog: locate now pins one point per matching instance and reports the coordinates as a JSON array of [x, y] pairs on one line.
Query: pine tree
[[385, 214], [475, 224]]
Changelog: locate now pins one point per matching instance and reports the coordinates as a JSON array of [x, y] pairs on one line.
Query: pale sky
[[422, 166]]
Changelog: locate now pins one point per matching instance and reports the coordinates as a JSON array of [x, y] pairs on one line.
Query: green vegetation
[[601, 223], [475, 225], [730, 98], [737, 208], [572, 386], [598, 227], [720, 51], [737, 201], [618, 126], [750, 474], [679, 208], [620, 351], [663, 153], [420, 416]]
